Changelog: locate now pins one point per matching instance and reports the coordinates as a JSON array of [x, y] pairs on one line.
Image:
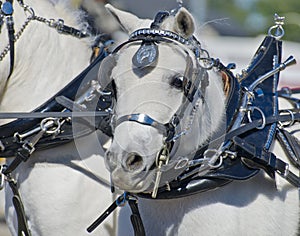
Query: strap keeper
[[25, 152]]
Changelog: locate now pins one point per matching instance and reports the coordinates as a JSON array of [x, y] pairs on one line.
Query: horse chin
[[132, 182]]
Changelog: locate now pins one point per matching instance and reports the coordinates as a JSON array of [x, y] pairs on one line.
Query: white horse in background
[[253, 207], [60, 191]]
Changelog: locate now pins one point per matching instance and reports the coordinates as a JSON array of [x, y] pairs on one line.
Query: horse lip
[[132, 185]]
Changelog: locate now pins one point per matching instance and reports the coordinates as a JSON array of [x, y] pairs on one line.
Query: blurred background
[[231, 30], [231, 17]]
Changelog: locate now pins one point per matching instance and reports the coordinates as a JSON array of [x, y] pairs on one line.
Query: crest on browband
[[146, 55]]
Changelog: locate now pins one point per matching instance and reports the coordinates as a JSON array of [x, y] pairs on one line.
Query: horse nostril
[[134, 162]]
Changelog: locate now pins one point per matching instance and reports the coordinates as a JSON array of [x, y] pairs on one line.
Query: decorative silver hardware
[[263, 117], [212, 155], [249, 94], [162, 159], [90, 94], [279, 31], [181, 163], [205, 60], [291, 122], [19, 138], [159, 33], [45, 126], [230, 154], [146, 55], [51, 125]]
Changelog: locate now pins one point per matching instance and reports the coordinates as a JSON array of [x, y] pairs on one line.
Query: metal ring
[[262, 116], [207, 62], [217, 165], [215, 152], [181, 163], [45, 127], [123, 201], [28, 9], [51, 22], [291, 122], [279, 31]]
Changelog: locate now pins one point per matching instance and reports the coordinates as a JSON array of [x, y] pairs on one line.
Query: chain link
[[56, 24]]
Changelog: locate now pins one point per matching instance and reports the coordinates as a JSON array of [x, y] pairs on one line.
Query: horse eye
[[177, 81]]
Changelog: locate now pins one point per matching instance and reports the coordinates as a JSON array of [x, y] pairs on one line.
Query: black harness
[[253, 123], [242, 155]]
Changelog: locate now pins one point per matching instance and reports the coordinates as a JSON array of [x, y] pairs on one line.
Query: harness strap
[[258, 158], [22, 155], [290, 145], [136, 219], [23, 229]]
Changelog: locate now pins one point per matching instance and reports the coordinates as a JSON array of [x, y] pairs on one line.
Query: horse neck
[[209, 119], [45, 61]]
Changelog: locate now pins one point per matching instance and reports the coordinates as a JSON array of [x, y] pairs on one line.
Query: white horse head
[[156, 93]]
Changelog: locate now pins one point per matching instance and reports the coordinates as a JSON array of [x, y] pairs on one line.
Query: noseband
[[195, 80]]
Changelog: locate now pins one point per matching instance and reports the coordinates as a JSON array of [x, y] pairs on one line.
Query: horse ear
[[128, 21], [184, 23]]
